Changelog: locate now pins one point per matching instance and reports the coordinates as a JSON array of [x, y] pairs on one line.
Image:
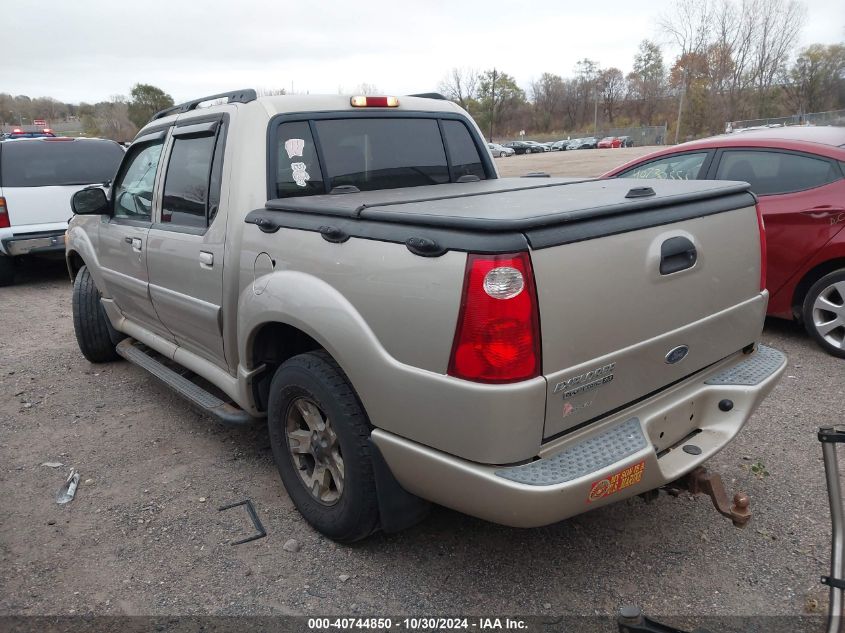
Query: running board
[[206, 402]]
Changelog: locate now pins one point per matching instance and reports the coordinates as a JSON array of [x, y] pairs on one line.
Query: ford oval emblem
[[677, 354]]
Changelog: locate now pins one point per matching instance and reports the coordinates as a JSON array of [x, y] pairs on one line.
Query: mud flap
[[398, 508]]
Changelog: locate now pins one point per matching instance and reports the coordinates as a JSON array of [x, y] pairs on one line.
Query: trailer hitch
[[702, 481]]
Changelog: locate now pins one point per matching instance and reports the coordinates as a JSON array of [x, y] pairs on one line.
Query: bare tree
[[816, 80], [647, 81], [461, 85], [612, 90], [778, 26], [547, 94], [366, 89]]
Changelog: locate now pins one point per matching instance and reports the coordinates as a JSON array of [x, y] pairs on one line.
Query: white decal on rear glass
[[294, 147], [300, 176]]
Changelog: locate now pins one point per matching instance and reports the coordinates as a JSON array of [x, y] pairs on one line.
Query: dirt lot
[[144, 536], [585, 162]]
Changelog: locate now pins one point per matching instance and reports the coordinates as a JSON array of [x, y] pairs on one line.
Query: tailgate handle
[[677, 254]]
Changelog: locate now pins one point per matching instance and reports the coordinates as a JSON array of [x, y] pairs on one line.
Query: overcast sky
[[88, 50]]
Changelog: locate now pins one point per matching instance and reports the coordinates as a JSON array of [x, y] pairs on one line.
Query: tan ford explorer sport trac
[[416, 329]]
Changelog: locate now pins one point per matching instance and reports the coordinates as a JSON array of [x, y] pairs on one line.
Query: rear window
[[44, 163], [372, 154]]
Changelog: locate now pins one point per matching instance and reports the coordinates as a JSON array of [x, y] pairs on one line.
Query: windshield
[[45, 163]]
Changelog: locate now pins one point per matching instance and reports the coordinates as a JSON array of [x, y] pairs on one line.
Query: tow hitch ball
[[701, 481]]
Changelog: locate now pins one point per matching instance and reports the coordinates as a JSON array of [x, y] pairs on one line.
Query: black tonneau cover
[[537, 212]]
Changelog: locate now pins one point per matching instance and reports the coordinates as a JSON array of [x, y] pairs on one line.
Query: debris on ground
[[260, 532], [66, 493], [53, 464], [343, 577], [291, 545]]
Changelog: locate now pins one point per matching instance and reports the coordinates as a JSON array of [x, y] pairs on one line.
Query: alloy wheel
[[829, 314], [315, 450]]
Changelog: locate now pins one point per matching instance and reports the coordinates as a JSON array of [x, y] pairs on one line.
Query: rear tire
[[7, 270], [824, 312], [89, 320], [320, 433]]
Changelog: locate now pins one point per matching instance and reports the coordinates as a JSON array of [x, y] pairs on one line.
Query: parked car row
[[589, 142]]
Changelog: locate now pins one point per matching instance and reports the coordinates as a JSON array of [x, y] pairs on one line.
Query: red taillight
[[4, 215], [762, 226], [498, 335]]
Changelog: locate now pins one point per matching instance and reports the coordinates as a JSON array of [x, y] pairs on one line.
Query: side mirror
[[90, 201]]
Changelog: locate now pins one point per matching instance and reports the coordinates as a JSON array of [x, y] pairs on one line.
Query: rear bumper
[[626, 454], [41, 243]]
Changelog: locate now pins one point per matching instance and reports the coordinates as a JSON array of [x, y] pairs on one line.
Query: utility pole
[[492, 103], [596, 111], [681, 104]]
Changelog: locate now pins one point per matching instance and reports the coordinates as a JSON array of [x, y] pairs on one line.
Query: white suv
[[37, 178]]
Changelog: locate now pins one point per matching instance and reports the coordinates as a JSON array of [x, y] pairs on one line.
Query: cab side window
[[675, 167], [133, 189], [463, 154], [192, 182]]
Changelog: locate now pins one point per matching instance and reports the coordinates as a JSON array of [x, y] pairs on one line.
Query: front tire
[[7, 270], [824, 312], [89, 320], [320, 433]]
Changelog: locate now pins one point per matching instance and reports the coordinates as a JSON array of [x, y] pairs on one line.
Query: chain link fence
[[833, 117]]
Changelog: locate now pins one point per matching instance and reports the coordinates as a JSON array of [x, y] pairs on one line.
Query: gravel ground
[[144, 537]]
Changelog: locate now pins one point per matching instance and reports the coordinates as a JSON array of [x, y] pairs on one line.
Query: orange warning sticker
[[616, 482]]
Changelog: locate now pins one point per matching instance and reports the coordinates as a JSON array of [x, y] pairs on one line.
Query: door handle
[[206, 259], [677, 254], [134, 241]]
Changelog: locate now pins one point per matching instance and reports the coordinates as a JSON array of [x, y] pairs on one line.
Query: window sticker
[[299, 174], [295, 147]]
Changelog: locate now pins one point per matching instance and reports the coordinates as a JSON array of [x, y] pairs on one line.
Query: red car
[[798, 174], [608, 142]]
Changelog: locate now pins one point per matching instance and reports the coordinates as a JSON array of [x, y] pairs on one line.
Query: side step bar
[[206, 402]]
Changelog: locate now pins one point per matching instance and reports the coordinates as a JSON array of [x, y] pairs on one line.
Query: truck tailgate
[[615, 328]]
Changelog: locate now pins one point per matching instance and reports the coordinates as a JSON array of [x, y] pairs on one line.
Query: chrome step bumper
[[652, 443]]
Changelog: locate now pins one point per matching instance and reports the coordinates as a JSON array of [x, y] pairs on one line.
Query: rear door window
[[43, 163], [773, 172], [675, 167], [186, 185]]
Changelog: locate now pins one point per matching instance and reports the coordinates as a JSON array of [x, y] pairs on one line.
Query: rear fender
[[427, 407]]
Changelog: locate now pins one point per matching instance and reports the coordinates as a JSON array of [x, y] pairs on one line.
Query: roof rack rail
[[235, 96], [430, 95]]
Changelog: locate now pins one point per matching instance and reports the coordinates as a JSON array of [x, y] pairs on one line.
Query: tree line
[[732, 60], [119, 119], [735, 60]]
